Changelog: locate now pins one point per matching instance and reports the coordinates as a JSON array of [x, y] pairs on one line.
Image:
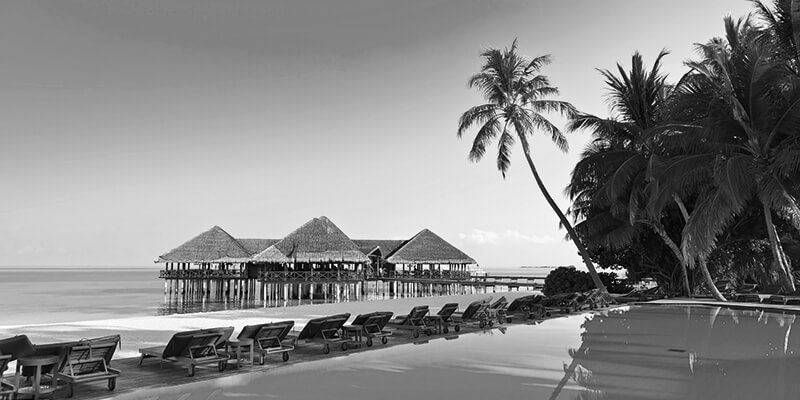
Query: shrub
[[567, 280]]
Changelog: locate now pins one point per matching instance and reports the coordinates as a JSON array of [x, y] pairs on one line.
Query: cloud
[[481, 237], [478, 236], [520, 238]]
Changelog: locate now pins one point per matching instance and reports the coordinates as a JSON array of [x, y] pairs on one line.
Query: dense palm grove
[[688, 181]]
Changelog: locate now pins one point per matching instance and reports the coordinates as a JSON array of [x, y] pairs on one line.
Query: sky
[[128, 127]]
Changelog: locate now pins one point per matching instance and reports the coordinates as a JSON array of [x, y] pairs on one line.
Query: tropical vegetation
[[697, 163], [686, 181]]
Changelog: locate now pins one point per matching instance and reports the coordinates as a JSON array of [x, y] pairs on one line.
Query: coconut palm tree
[[747, 104], [516, 99], [609, 185]]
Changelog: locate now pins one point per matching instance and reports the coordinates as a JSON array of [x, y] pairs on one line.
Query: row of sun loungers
[[89, 360]]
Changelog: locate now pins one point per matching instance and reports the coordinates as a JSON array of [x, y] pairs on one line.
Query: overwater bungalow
[[316, 253]]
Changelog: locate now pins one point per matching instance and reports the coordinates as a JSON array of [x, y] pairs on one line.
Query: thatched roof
[[255, 246], [318, 240], [272, 255], [428, 248], [386, 247], [213, 245]]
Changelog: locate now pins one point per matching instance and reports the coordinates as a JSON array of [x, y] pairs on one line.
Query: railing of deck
[[310, 276], [200, 274], [423, 275]]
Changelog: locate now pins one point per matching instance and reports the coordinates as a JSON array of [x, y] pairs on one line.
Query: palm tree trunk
[[710, 281], [777, 250], [703, 266], [677, 251], [795, 10], [570, 230]]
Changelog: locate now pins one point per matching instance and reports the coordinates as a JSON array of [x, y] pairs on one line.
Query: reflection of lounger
[[372, 326], [88, 361], [414, 321], [192, 348], [325, 330], [476, 312], [269, 338]]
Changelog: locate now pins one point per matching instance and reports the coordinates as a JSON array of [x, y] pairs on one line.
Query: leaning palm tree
[[516, 98]]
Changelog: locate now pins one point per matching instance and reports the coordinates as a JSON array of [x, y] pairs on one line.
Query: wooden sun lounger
[[88, 361], [414, 321], [476, 312], [527, 307], [325, 330], [271, 339], [497, 311], [444, 318], [373, 324], [192, 348], [7, 389]]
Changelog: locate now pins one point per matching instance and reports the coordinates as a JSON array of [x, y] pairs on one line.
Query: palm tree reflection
[[692, 352]]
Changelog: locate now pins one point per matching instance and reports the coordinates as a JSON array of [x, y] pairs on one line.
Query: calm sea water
[[51, 295]]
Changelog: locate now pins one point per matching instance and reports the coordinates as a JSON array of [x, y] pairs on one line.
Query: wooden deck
[[155, 374]]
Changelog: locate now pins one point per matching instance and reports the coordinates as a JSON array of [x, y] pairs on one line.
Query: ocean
[[55, 295]]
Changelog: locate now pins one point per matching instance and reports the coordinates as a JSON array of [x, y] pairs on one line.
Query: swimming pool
[[636, 352]]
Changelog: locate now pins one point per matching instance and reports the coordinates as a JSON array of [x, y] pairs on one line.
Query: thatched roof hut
[[214, 245], [428, 248], [318, 240]]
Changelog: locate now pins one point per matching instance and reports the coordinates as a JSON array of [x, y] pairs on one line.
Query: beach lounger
[[414, 321], [325, 330], [747, 298], [497, 311], [444, 318], [476, 312], [527, 307], [192, 348], [272, 339], [7, 389], [88, 361], [562, 302], [373, 325]]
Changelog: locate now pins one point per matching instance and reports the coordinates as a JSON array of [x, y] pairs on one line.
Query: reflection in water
[[192, 297], [686, 353]]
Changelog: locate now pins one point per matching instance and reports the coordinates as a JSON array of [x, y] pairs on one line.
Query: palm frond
[[504, 147], [475, 115], [485, 135]]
